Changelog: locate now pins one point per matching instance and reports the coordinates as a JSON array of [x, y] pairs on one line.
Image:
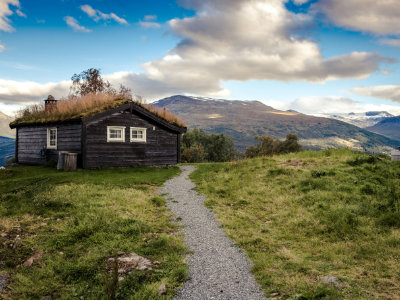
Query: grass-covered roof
[[85, 106]]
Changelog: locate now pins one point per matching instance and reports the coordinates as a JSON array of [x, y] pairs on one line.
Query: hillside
[[242, 120], [389, 127], [4, 126], [316, 224], [363, 120], [7, 149]]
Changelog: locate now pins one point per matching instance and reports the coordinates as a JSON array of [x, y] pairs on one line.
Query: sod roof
[[84, 107]]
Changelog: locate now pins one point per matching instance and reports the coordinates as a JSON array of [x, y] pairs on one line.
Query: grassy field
[[301, 217], [75, 222]]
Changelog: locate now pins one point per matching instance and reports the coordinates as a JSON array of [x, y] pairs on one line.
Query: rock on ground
[[128, 262]]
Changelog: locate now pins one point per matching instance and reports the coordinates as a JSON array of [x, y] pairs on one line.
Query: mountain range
[[363, 120], [242, 120], [389, 127]]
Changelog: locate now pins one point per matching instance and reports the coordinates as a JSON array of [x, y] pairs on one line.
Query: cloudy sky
[[315, 56]]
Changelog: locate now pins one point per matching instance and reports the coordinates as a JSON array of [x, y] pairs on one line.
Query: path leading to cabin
[[217, 269]]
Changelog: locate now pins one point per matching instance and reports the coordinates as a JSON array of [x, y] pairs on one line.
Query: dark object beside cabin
[[88, 138], [70, 161]]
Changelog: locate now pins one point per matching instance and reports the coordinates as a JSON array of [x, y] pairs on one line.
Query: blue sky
[[318, 56]]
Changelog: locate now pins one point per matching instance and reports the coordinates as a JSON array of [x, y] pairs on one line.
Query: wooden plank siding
[[31, 140], [160, 147]]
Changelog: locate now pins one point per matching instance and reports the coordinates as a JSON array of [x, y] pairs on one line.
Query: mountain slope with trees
[[243, 120]]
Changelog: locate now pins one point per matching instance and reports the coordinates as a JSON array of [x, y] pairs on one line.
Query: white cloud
[[376, 16], [150, 17], [233, 40], [389, 92], [2, 48], [73, 23], [332, 105], [28, 92], [9, 110], [147, 24], [323, 105], [300, 2], [20, 13], [6, 11], [390, 42], [97, 15], [244, 40]]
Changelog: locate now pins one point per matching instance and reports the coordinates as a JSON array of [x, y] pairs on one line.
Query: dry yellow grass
[[85, 106], [163, 113]]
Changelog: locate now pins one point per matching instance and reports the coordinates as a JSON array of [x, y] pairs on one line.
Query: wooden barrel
[[70, 161], [61, 159]]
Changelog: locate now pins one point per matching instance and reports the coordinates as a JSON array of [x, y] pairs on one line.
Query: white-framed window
[[138, 134], [52, 138], [115, 134]]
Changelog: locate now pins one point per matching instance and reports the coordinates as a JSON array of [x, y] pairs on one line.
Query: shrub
[[268, 146], [198, 146]]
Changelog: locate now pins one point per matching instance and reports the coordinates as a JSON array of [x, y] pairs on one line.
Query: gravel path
[[217, 269]]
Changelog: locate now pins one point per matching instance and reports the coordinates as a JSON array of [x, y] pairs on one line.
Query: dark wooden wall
[[32, 139], [161, 147]]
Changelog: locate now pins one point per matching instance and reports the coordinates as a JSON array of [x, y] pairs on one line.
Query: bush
[[268, 146], [198, 146]]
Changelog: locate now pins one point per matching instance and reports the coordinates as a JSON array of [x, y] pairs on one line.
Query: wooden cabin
[[126, 135]]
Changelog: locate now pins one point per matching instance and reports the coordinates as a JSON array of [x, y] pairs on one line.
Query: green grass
[[80, 219], [303, 216]]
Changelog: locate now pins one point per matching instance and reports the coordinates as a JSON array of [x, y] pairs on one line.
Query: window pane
[[53, 137], [115, 133], [137, 134]]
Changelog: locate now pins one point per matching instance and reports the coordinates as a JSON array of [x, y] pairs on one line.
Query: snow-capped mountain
[[363, 120]]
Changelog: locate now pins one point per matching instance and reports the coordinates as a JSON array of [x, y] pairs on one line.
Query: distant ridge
[[242, 120], [363, 120], [389, 127], [7, 149]]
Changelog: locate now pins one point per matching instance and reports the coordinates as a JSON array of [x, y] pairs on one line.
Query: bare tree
[[90, 82]]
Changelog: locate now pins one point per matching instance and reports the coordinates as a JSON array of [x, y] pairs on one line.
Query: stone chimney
[[50, 104]]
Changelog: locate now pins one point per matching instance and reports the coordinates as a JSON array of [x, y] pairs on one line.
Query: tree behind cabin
[[91, 82], [198, 146]]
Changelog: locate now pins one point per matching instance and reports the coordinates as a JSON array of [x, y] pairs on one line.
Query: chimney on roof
[[50, 103]]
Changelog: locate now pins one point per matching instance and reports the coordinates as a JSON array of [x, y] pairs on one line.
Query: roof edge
[[74, 120], [153, 116]]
